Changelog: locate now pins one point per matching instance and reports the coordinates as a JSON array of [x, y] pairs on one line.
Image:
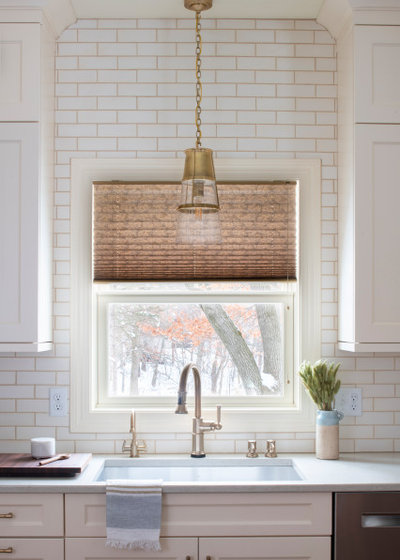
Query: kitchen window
[[239, 333], [109, 317]]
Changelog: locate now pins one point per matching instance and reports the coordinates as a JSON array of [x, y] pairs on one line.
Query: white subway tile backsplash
[[74, 76], [96, 36], [374, 445], [126, 89], [256, 63], [256, 117], [325, 51], [236, 49], [117, 23], [259, 36]]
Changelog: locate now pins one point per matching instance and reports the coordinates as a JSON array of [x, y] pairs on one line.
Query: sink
[[200, 470]]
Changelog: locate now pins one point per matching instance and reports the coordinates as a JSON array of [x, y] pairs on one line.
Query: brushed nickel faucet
[[135, 446], [199, 427]]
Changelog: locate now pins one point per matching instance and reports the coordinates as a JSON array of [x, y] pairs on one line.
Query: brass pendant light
[[198, 221]]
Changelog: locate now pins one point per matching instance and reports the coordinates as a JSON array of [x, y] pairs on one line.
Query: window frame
[[85, 415]]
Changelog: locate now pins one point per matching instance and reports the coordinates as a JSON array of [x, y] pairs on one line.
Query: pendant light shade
[[199, 191]]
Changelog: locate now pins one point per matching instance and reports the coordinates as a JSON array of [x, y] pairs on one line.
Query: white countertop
[[352, 472]]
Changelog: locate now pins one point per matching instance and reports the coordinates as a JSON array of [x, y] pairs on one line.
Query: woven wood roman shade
[[134, 234]]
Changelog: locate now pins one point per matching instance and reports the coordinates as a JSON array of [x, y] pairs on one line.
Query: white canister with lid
[[43, 447]]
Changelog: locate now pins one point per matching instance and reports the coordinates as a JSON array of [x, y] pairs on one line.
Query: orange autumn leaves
[[194, 328]]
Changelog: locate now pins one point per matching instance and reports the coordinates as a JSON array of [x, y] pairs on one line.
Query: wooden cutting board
[[23, 464]]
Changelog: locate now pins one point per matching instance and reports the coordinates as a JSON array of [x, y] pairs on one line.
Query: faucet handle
[[252, 448], [271, 448], [141, 446]]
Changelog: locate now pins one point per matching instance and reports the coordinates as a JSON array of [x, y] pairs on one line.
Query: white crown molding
[[60, 14], [335, 15], [269, 9]]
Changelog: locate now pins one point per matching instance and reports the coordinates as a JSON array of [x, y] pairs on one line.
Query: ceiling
[[271, 9]]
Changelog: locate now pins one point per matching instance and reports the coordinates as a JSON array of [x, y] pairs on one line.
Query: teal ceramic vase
[[327, 434]]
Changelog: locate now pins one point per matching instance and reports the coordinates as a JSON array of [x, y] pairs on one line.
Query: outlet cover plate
[[58, 399], [349, 401]]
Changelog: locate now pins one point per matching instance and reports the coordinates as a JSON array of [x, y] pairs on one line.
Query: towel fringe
[[137, 545]]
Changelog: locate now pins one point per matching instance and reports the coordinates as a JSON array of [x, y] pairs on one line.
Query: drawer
[[95, 549], [32, 549], [185, 515], [31, 515], [266, 548]]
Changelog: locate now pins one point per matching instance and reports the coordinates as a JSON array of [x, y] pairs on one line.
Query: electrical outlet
[[349, 401], [58, 401]]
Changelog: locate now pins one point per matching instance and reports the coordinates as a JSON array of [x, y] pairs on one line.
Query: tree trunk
[[155, 371], [135, 366], [236, 346], [268, 322]]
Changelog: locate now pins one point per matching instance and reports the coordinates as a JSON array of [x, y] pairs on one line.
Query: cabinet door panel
[[377, 203], [377, 75], [19, 174], [266, 548], [95, 549], [32, 515], [19, 71], [32, 549], [185, 515]]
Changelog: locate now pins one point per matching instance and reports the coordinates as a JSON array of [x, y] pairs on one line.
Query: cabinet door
[[20, 215], [95, 549], [32, 549], [377, 74], [19, 71], [265, 548], [377, 236]]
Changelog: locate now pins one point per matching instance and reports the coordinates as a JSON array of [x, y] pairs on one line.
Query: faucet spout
[[199, 426], [181, 407]]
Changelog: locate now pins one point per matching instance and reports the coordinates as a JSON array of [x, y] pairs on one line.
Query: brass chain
[[198, 80]]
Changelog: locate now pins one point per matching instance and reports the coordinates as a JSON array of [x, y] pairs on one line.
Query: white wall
[[125, 89]]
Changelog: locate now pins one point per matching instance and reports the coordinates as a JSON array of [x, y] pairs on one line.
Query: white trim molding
[[84, 415]]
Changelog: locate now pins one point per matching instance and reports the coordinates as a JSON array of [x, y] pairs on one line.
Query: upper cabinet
[[19, 72], [26, 186], [369, 196], [377, 74]]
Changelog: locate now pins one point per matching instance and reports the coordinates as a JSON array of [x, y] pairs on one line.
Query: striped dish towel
[[133, 514]]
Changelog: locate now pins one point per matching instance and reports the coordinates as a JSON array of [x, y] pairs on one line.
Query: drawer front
[[184, 515], [95, 549], [268, 548], [32, 549], [31, 515]]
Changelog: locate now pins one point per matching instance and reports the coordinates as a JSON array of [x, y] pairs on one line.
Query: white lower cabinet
[[265, 548], [32, 549], [219, 526], [95, 549], [202, 526]]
